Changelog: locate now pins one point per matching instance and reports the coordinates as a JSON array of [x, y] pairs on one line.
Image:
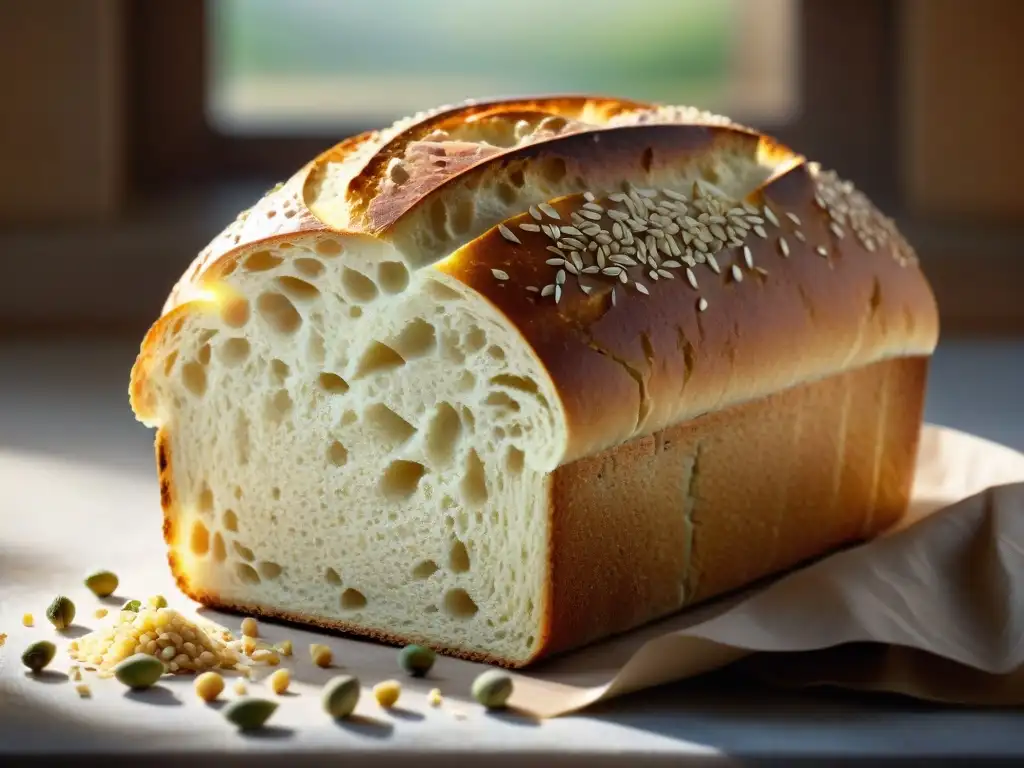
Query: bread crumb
[[100, 613], [3, 639], [249, 627], [75, 672], [83, 690], [28, 620], [434, 697]]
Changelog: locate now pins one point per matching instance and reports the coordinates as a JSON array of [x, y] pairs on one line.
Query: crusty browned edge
[[613, 573], [617, 518], [655, 360]]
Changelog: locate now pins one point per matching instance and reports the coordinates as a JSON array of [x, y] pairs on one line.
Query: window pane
[[311, 65]]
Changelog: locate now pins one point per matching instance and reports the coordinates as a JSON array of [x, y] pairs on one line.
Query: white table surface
[[64, 404]]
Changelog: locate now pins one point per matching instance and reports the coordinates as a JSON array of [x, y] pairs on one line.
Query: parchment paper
[[931, 610]]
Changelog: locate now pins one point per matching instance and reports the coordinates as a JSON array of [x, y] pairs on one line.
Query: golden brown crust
[[765, 485], [655, 359], [362, 189]]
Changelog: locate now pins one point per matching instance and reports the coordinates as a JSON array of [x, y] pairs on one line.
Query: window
[[313, 66]]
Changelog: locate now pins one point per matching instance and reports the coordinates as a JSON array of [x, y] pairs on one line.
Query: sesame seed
[[653, 275], [770, 215], [615, 215], [555, 262], [590, 215], [571, 268], [613, 297], [558, 293], [713, 263], [761, 270], [671, 264], [691, 278], [611, 271], [532, 288], [748, 257], [499, 274], [588, 196], [793, 217], [547, 209], [623, 277], [821, 250], [836, 230], [560, 277], [737, 274], [571, 231], [554, 250], [784, 247], [526, 227], [603, 238], [642, 288], [586, 289], [666, 273], [550, 231], [571, 243], [702, 304], [617, 197], [508, 234], [547, 290], [590, 206], [672, 194], [576, 260], [622, 261], [535, 213], [759, 231], [800, 236]]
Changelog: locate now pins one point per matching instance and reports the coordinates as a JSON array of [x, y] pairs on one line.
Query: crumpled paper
[[933, 609]]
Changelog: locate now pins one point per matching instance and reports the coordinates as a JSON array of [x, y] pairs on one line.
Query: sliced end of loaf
[[347, 441]]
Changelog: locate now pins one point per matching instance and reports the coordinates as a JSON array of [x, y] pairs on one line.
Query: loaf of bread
[[506, 378]]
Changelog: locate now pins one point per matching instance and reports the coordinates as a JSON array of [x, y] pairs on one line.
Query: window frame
[[184, 181]]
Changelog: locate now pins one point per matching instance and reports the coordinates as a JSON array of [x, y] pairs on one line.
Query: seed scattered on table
[[387, 693], [434, 697], [61, 612], [279, 681], [75, 673], [492, 688], [100, 613], [249, 713], [157, 601], [83, 690], [209, 686], [38, 655], [139, 671], [102, 583], [340, 696], [266, 656], [163, 632], [240, 688], [28, 620], [3, 639], [321, 655], [284, 647], [249, 627]]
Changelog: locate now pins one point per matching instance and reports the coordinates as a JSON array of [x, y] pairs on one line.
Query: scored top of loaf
[[662, 262]]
